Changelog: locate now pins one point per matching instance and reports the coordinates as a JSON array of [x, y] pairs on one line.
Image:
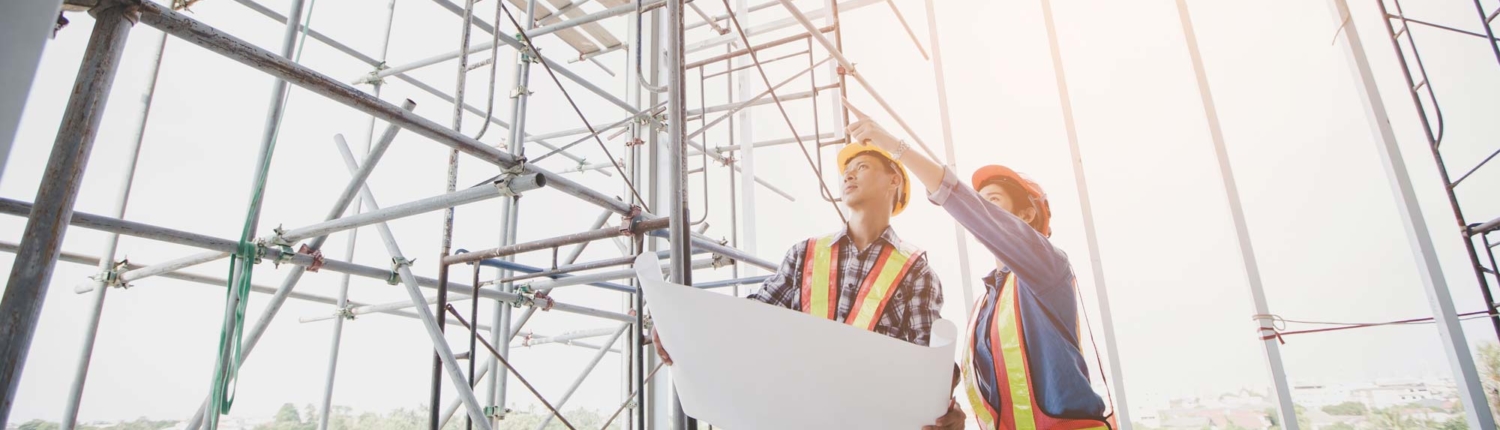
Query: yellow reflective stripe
[[1015, 360], [981, 410], [822, 259], [864, 316]]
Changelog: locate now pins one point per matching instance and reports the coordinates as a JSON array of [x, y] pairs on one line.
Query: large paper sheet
[[744, 365]]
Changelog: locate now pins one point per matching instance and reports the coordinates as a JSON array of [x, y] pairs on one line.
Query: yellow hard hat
[[848, 152]]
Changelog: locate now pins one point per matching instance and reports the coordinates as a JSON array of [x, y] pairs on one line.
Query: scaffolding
[[656, 128], [667, 43]]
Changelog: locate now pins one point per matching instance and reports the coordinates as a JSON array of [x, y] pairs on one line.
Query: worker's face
[[868, 184], [998, 195]]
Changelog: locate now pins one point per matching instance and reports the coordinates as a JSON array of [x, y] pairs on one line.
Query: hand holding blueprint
[[745, 365]]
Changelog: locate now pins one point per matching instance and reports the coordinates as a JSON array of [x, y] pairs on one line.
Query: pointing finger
[[857, 113]]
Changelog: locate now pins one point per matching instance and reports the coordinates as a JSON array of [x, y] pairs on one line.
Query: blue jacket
[[1047, 301]]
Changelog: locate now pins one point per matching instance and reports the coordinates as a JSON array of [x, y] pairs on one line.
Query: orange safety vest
[[1018, 408], [820, 281]]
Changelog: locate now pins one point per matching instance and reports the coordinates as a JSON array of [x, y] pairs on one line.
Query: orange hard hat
[[848, 152], [1034, 193]]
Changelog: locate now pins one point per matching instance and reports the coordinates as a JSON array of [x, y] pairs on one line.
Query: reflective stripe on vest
[[820, 284], [1018, 409]]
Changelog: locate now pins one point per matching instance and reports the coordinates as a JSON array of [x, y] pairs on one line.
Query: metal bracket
[[502, 185], [537, 299], [719, 260], [132, 11], [496, 411], [346, 312], [62, 21], [629, 220], [659, 121], [530, 297], [279, 242], [317, 257], [374, 77], [529, 53], [280, 237], [519, 90], [284, 255], [396, 265], [260, 251], [111, 277]]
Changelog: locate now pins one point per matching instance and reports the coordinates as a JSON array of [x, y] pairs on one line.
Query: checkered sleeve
[[921, 302], [783, 288]]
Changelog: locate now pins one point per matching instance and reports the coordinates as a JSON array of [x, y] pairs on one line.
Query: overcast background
[[1320, 209]]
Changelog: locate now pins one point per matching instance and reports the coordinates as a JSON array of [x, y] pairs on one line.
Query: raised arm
[[1010, 239], [863, 131]]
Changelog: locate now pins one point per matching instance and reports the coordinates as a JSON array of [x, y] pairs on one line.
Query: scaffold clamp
[[316, 254], [111, 276], [629, 219], [519, 90], [504, 185], [496, 411], [284, 254], [529, 52], [396, 264]]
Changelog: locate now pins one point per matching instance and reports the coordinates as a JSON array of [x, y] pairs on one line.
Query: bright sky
[[1321, 213]]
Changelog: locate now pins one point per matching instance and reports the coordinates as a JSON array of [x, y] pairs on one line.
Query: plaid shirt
[[910, 312]]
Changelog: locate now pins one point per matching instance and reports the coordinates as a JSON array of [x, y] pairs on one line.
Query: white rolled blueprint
[[744, 365]]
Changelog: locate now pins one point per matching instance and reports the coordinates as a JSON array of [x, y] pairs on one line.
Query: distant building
[[1318, 396], [1394, 394]]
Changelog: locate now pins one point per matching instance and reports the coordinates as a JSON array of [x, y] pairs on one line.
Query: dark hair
[[1018, 195]]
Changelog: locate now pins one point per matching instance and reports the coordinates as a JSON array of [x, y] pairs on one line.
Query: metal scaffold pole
[[343, 299], [961, 236], [41, 241], [1460, 359], [510, 210], [440, 344], [681, 271], [1120, 407], [108, 274], [745, 91], [658, 134], [1270, 345], [448, 214]]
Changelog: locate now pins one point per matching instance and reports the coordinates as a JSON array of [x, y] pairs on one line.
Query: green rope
[[241, 268]]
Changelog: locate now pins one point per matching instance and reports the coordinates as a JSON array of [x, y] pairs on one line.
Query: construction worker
[[862, 275], [1024, 367]]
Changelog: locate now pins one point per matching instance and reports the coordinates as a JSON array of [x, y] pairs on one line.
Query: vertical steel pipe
[[41, 242]]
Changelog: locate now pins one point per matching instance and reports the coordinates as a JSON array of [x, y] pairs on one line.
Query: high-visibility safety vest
[[1018, 408], [820, 281]]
